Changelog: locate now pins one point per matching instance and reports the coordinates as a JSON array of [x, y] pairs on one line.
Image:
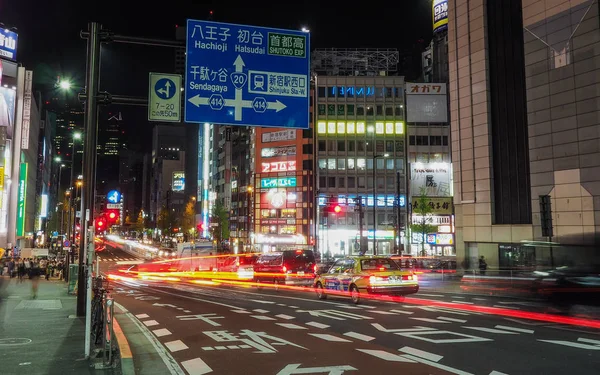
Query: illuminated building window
[[341, 128], [331, 127], [379, 127], [350, 128], [399, 128], [360, 128], [389, 128], [321, 127]]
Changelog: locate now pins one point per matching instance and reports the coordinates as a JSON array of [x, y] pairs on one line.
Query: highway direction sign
[[246, 75], [164, 97]]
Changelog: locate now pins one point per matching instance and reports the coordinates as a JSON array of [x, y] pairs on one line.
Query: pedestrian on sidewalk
[[34, 275], [21, 269], [482, 266]]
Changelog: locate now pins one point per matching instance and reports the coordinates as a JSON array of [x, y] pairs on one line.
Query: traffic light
[[200, 227], [332, 206], [337, 209], [100, 224], [112, 216]]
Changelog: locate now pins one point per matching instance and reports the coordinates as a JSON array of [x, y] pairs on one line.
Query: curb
[[127, 367]]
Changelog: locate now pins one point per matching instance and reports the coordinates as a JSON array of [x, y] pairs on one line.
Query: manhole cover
[[14, 341]]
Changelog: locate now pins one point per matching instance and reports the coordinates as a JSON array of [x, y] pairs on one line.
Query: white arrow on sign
[[165, 90], [294, 368], [238, 102]]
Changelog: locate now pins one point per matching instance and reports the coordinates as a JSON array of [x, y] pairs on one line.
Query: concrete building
[[524, 87]]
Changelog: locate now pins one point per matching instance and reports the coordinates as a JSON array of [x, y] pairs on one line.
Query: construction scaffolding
[[354, 62]]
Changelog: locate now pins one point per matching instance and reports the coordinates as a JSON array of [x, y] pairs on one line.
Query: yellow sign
[[439, 205]]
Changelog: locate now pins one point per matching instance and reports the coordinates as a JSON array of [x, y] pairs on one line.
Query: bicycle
[[99, 289]]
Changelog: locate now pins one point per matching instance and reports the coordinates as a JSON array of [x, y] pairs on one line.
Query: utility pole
[[84, 290], [398, 213]]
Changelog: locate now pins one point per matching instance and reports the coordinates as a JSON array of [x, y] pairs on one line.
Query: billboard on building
[[439, 10], [431, 178], [178, 181], [21, 200], [8, 44], [426, 102]]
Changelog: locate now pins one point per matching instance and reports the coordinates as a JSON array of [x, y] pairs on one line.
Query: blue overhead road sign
[[246, 75], [113, 196]]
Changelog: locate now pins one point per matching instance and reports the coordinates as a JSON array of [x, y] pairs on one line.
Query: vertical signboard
[[164, 97], [26, 110], [178, 183], [21, 200], [439, 11], [426, 102]]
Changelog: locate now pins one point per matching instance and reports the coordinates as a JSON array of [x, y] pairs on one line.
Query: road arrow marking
[[164, 305], [294, 368]]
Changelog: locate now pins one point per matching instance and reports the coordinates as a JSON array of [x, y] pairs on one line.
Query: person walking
[[34, 276], [482, 266]]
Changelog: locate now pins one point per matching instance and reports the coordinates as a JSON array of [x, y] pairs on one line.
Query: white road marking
[[168, 360], [175, 346], [385, 355], [383, 312], [232, 347], [196, 366], [458, 297], [526, 322], [261, 301], [261, 311], [241, 311], [150, 323], [507, 307], [281, 304], [452, 319], [290, 326], [573, 344], [186, 311], [497, 373], [381, 328], [327, 337], [142, 316], [522, 330], [161, 332], [428, 337], [589, 341], [464, 302], [402, 312], [368, 307], [317, 325], [430, 295], [286, 317], [194, 298], [359, 336], [480, 299], [293, 307], [428, 320], [262, 317], [491, 330], [208, 348], [421, 354], [437, 365], [349, 307]]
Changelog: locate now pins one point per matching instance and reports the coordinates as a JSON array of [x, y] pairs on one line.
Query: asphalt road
[[244, 330]]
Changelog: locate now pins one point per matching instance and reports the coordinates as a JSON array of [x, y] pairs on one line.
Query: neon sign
[[357, 91], [279, 166], [278, 182]]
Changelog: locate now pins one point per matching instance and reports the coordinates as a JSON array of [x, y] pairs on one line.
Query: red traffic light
[[100, 223], [337, 209], [112, 215]]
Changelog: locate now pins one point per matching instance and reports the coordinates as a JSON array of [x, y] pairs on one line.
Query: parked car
[[288, 267]]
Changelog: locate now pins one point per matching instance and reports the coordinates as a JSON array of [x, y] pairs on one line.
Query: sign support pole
[[89, 159]]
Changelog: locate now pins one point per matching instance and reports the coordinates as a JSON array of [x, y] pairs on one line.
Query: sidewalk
[[42, 336]]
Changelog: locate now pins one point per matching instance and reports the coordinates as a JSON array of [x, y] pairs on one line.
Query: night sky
[[49, 39]]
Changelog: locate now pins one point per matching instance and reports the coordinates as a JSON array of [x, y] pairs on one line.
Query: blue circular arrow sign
[[113, 196], [165, 88]]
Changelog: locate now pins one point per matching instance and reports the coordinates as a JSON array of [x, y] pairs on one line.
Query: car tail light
[[315, 268], [410, 277], [284, 269]]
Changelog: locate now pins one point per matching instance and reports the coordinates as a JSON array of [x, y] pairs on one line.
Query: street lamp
[[65, 85]]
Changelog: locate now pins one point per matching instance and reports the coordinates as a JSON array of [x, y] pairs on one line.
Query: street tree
[[423, 226], [220, 217]]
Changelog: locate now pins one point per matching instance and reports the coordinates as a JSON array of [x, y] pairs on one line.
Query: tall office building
[[360, 125], [110, 143], [524, 87]]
